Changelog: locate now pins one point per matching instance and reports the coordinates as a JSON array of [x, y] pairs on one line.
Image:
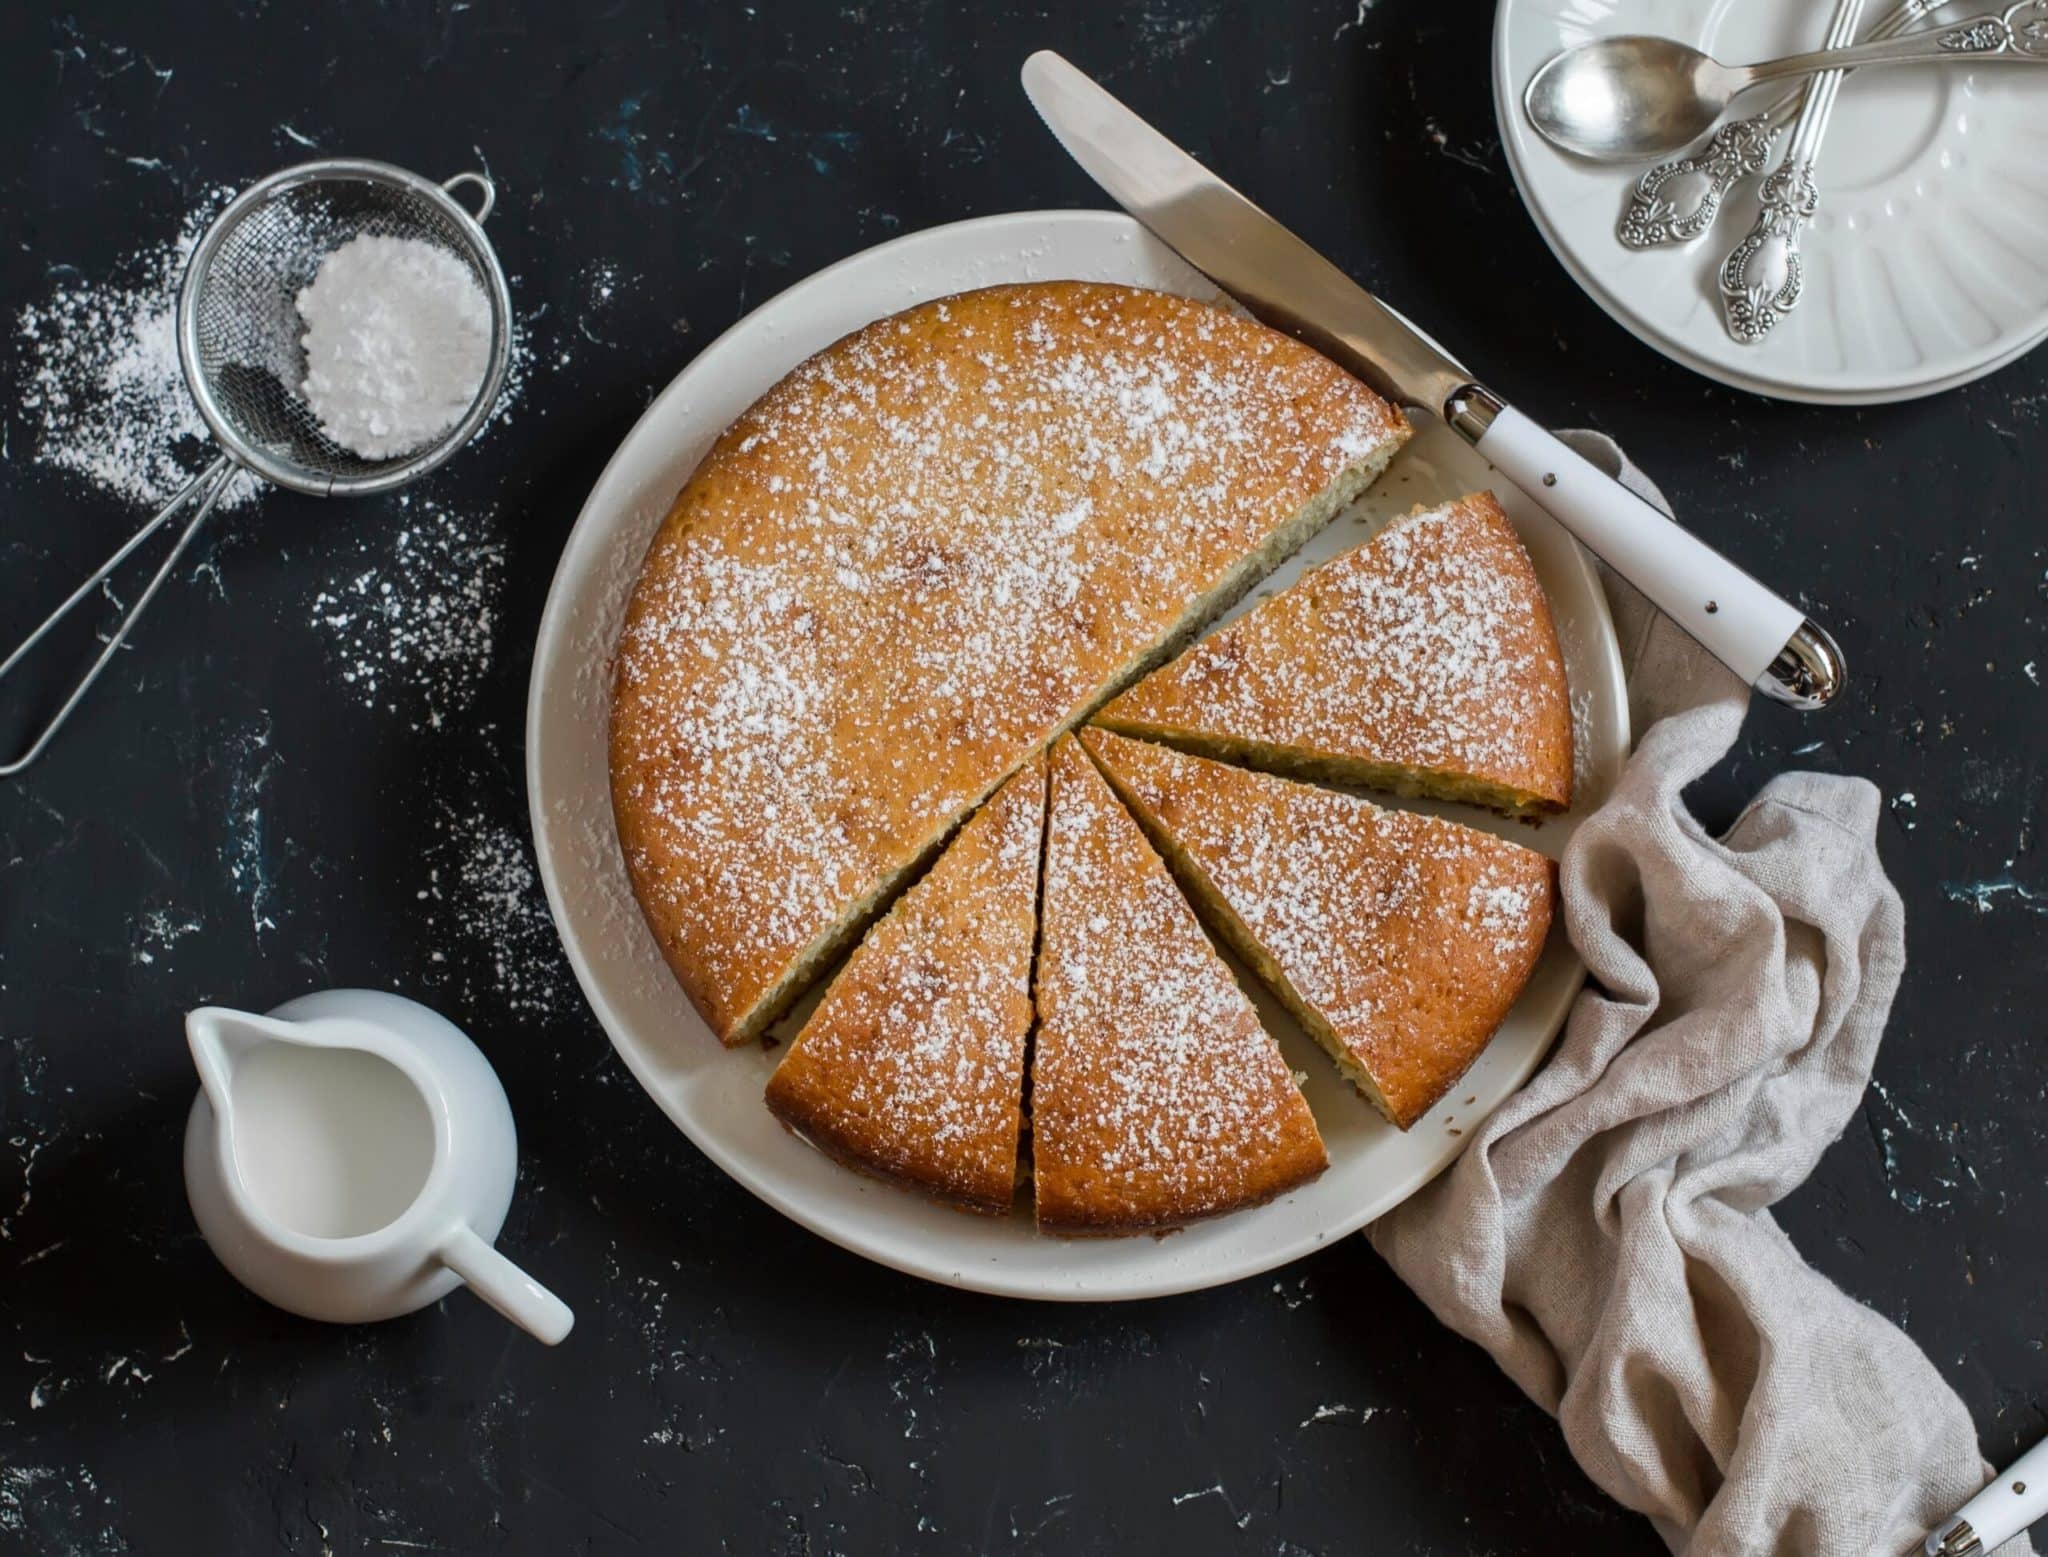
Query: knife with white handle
[[2001, 1511], [1764, 639]]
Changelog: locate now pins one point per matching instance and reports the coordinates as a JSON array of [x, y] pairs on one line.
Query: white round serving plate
[[1927, 265], [714, 1094]]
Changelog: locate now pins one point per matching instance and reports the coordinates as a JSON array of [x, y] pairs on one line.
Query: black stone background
[[734, 1383]]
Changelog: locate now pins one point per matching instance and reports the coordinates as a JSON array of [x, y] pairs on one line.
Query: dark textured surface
[[733, 1382]]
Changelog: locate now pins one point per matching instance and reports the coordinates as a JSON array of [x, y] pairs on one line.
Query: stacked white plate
[[1927, 266]]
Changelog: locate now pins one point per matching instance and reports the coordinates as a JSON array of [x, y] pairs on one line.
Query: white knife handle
[[2001, 1511], [1765, 640]]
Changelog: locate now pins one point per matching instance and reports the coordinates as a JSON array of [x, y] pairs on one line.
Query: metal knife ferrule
[[1959, 1540], [1470, 411]]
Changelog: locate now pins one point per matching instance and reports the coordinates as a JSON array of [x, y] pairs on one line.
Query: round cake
[[919, 557]]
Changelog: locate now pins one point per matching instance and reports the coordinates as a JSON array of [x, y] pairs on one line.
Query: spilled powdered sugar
[[154, 932], [102, 390], [411, 629], [483, 903]]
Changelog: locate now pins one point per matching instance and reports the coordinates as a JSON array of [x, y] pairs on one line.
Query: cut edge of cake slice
[[1249, 664], [1138, 1129], [911, 1069], [1328, 768], [1412, 1082]]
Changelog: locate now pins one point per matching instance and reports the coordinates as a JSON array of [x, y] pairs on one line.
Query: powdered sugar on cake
[[1453, 640], [1441, 900], [913, 1065]]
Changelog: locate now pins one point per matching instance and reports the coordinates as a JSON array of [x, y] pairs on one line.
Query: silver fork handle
[[201, 494]]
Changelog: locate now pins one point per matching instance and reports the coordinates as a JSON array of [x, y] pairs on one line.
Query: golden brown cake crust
[[1424, 661], [1157, 1098], [1399, 940], [911, 1069], [918, 556]]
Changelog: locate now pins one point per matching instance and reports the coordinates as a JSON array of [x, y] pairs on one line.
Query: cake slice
[[1156, 1096], [1398, 940], [1423, 662], [912, 1067]]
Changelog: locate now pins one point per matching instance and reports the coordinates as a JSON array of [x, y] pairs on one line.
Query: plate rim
[[555, 634], [1864, 391]]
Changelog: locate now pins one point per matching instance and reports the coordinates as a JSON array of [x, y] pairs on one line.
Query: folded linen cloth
[[1606, 1235]]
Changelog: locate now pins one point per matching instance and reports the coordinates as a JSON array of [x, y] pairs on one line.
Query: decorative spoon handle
[[1762, 279], [1676, 201]]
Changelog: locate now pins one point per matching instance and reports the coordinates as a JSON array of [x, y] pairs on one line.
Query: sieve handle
[[205, 491], [482, 182]]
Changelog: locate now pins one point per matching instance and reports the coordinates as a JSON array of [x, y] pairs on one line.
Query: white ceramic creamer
[[351, 1157]]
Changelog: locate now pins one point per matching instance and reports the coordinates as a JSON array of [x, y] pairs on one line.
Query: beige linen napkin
[[1607, 1234]]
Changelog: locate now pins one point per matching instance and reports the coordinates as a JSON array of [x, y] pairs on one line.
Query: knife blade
[[1766, 640]]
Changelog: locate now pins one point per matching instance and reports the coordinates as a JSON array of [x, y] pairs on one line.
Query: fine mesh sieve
[[238, 319], [239, 345]]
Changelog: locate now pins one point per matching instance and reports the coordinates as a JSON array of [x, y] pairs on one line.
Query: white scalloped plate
[[714, 1095], [1927, 266]]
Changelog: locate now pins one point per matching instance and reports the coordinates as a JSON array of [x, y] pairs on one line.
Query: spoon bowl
[[1628, 99]]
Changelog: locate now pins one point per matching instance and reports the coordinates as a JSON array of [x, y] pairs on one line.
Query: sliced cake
[[912, 1066], [1423, 662], [916, 558], [1156, 1095], [1398, 940]]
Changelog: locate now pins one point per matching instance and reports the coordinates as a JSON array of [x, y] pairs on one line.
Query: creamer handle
[[505, 1286]]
